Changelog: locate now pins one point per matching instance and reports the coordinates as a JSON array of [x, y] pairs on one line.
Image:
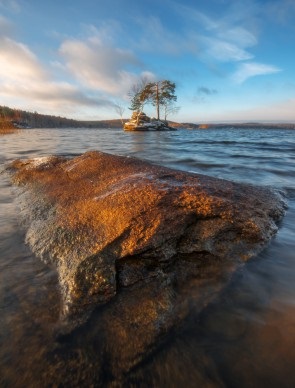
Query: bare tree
[[120, 109], [170, 109]]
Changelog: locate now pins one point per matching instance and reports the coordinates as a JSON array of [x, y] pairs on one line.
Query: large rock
[[107, 222]]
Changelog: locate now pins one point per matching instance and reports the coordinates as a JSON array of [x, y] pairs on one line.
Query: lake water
[[244, 338]]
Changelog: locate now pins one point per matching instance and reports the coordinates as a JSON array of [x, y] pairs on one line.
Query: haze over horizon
[[231, 60]]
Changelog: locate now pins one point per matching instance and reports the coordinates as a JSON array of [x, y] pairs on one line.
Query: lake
[[245, 337]]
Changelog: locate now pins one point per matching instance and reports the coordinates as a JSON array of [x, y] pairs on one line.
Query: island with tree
[[14, 120], [161, 95]]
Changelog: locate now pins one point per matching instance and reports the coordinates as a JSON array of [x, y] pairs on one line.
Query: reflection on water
[[243, 337]]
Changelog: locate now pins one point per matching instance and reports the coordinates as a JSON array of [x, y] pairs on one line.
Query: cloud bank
[[101, 67], [229, 39], [23, 75], [97, 72]]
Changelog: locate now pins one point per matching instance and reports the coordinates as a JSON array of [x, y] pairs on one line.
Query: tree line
[[26, 119]]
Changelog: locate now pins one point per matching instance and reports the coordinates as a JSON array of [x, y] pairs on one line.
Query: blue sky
[[231, 60]]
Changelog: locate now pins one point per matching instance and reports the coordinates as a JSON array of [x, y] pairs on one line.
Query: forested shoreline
[[17, 118]]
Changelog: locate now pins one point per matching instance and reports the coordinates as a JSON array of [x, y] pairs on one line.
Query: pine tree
[[161, 93]]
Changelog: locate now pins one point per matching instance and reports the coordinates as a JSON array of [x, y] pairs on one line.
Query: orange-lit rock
[[141, 122], [107, 222]]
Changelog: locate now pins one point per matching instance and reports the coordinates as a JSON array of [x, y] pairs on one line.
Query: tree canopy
[[159, 94]]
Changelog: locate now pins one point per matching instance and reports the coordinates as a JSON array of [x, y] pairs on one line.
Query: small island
[[160, 94], [141, 122]]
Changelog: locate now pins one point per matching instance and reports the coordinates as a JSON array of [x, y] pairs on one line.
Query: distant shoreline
[[23, 119], [240, 125], [116, 124]]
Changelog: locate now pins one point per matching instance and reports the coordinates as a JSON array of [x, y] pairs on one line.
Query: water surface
[[245, 338]]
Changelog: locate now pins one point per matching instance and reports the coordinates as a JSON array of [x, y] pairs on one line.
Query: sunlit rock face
[[141, 122], [108, 222]]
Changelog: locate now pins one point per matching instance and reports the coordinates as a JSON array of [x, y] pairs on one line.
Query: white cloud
[[252, 69], [202, 36], [229, 37], [239, 36], [191, 13], [225, 51], [24, 79], [101, 67], [102, 70], [17, 62], [222, 38]]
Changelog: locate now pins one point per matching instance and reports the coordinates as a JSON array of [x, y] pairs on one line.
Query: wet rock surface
[[109, 224]]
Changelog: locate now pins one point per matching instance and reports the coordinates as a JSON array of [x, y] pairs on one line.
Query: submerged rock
[[108, 222]]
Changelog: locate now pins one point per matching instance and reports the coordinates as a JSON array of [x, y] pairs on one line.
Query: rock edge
[[106, 222]]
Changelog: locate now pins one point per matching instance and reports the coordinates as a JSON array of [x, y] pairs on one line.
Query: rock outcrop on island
[[109, 222], [141, 122]]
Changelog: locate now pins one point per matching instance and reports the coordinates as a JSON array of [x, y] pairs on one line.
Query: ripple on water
[[244, 338]]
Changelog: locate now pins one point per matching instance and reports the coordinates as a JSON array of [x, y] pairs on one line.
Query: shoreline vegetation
[[13, 119], [7, 127]]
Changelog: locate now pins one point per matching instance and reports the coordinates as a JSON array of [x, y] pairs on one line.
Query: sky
[[231, 60]]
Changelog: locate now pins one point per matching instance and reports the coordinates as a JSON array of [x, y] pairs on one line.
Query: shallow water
[[244, 338]]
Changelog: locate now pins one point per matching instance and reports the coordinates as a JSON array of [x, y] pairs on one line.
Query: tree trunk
[[157, 101]]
